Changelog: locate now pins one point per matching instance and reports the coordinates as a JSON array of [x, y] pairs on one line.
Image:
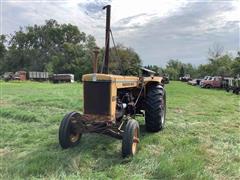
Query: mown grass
[[200, 141]]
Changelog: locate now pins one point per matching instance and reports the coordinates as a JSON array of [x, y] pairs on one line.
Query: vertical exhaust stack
[[107, 39], [95, 60]]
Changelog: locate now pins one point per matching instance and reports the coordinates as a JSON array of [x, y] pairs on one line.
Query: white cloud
[[68, 11], [126, 8], [233, 15], [157, 29]]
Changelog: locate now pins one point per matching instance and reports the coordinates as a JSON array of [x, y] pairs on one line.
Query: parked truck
[[19, 75], [185, 78], [212, 82]]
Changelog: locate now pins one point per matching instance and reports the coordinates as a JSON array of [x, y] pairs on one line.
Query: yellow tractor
[[111, 103]]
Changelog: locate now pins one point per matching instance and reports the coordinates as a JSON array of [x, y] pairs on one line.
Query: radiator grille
[[97, 97]]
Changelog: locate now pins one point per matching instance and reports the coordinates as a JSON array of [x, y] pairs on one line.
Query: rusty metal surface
[[96, 118], [20, 75], [88, 124]]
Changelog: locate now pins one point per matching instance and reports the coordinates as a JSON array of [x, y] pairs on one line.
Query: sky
[[156, 30]]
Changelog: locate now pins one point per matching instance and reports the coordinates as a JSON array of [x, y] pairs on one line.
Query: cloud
[[186, 34], [94, 6], [157, 30]]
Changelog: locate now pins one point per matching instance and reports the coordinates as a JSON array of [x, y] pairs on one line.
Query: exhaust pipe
[[107, 39], [95, 60]]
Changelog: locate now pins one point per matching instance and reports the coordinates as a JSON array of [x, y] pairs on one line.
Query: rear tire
[[130, 138], [237, 91], [234, 90], [208, 86], [67, 136], [155, 108]]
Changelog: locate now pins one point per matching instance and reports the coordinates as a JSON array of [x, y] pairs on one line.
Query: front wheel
[[68, 137], [130, 138]]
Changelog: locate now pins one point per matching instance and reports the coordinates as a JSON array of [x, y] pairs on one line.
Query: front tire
[[130, 138], [67, 135], [155, 108]]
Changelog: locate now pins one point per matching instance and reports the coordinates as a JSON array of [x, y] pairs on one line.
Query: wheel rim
[[135, 141], [73, 136]]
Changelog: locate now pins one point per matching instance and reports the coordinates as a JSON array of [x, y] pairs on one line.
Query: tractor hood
[[109, 77]]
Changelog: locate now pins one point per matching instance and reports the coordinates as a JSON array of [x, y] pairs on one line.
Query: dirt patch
[[178, 110], [3, 103], [4, 151]]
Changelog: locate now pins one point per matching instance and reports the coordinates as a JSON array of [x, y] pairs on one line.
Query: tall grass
[[200, 141]]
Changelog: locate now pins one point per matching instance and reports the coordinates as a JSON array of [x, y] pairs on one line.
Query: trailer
[[59, 78], [38, 76]]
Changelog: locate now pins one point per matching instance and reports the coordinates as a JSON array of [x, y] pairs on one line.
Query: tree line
[[63, 48], [60, 48], [219, 64]]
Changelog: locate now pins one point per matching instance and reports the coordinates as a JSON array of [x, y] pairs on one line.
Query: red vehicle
[[213, 82]]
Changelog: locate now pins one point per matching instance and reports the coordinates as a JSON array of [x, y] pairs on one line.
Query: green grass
[[201, 139]]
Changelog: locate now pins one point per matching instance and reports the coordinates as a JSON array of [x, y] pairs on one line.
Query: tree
[[173, 68], [52, 47], [156, 69], [123, 61], [181, 72], [62, 48], [215, 51], [236, 65], [172, 73]]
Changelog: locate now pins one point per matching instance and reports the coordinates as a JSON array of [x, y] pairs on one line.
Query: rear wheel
[[155, 108], [68, 137], [237, 91], [130, 138], [208, 86], [234, 90]]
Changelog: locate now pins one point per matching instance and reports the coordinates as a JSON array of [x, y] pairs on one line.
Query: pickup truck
[[212, 82], [185, 78]]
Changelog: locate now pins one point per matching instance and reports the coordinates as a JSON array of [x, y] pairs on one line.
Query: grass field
[[201, 139]]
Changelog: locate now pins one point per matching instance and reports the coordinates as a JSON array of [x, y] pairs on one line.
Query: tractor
[[111, 103]]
